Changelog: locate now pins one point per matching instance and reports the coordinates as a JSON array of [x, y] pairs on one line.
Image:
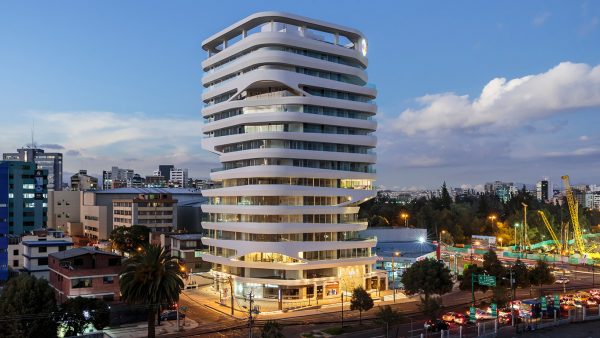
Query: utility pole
[[251, 301], [231, 292], [342, 309]]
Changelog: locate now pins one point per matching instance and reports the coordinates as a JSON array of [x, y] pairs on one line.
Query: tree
[[427, 277], [500, 295], [77, 313], [361, 301], [541, 275], [387, 316], [27, 306], [446, 200], [129, 239], [493, 266], [431, 307], [520, 274], [152, 278], [467, 278], [272, 329]]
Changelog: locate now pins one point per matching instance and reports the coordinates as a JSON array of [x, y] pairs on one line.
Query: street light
[[443, 232], [405, 217], [396, 254], [492, 218], [516, 226]]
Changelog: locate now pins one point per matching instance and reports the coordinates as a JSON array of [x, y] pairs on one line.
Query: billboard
[[483, 242], [39, 185]]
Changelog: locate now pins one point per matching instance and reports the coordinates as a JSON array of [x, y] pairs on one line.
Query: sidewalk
[[140, 330]]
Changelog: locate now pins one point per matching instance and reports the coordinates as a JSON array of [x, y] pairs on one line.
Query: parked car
[[562, 280], [449, 317], [171, 315], [436, 325]]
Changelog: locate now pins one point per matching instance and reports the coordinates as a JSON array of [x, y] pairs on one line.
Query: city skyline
[[445, 111]]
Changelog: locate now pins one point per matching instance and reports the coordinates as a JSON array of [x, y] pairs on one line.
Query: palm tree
[[152, 278]]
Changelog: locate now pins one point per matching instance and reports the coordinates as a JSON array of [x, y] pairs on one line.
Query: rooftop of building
[[404, 249], [137, 191], [187, 237], [84, 250]]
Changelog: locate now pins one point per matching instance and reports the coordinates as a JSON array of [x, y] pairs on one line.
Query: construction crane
[[550, 230], [526, 241], [573, 210]]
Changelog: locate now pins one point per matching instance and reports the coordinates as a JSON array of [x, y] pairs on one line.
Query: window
[[108, 279], [78, 262], [43, 249], [62, 248], [80, 283], [43, 261], [16, 252], [15, 263]]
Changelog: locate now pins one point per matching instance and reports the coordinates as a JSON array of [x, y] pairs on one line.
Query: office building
[[25, 188], [289, 113], [85, 272], [544, 191], [116, 178], [179, 178], [83, 182], [155, 181], [64, 207], [155, 211], [51, 162], [164, 170]]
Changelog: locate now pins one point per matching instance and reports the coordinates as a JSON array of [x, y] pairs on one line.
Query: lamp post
[[516, 226], [405, 217], [396, 254], [492, 218]]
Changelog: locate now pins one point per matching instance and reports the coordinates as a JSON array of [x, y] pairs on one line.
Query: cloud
[[584, 138], [136, 140], [50, 146], [540, 19], [506, 103]]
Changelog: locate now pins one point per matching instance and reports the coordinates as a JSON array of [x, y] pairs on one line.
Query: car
[[436, 325], [171, 315], [461, 319], [562, 280], [449, 317], [595, 292]]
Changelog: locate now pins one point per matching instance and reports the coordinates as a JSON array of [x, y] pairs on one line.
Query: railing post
[[584, 310], [555, 317], [460, 331]]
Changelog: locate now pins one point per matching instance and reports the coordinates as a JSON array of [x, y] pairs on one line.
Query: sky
[[468, 91]]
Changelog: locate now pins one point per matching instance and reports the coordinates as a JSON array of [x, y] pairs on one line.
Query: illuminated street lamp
[[492, 218], [516, 226], [405, 217]]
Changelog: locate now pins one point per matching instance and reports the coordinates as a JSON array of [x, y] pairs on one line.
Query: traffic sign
[[556, 300], [472, 316], [494, 308], [544, 305], [486, 280]]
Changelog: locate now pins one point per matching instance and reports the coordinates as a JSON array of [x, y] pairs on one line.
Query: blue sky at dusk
[[469, 91]]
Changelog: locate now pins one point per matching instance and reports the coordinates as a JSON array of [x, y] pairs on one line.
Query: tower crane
[[550, 230], [573, 210]]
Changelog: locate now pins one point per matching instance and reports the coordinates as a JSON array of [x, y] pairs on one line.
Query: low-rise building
[[36, 248], [85, 272], [188, 248], [83, 182]]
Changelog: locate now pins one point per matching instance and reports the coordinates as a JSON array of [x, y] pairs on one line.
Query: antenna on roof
[[32, 145]]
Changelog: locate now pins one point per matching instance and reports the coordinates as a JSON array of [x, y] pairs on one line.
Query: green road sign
[[472, 316], [486, 280], [544, 305], [494, 308], [556, 300]]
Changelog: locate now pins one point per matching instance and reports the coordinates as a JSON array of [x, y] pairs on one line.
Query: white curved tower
[[289, 113]]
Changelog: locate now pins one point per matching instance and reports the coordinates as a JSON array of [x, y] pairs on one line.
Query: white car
[[562, 280]]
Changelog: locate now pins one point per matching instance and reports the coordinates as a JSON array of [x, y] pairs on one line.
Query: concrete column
[[244, 34]]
